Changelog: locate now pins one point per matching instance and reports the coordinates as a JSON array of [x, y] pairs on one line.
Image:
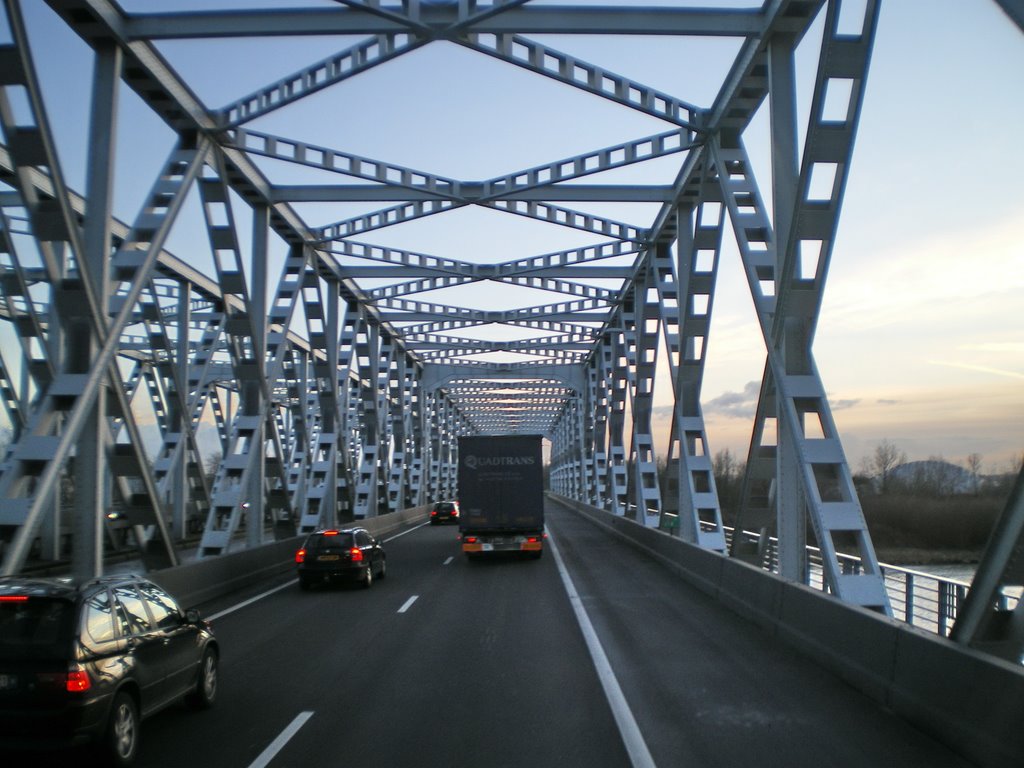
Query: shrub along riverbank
[[915, 529]]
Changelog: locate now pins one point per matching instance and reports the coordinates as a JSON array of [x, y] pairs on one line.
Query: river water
[[955, 571]]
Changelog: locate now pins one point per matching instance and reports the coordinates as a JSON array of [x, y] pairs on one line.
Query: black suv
[[351, 554], [84, 663]]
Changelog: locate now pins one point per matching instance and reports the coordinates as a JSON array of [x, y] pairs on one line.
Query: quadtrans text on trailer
[[501, 494]]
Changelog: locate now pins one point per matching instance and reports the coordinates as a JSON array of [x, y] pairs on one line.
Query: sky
[[919, 341]]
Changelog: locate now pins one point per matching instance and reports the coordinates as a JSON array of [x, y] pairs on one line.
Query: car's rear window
[[38, 627], [445, 507], [341, 540]]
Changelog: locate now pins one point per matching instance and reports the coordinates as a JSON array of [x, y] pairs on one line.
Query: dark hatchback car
[[351, 554], [444, 512], [85, 663]]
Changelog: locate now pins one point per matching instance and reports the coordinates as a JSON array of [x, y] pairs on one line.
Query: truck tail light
[[470, 539]]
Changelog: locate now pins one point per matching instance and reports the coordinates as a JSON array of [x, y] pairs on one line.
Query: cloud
[[740, 405], [884, 401], [839, 405], [979, 368]]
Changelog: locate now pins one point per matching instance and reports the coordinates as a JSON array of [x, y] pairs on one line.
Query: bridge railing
[[922, 599]]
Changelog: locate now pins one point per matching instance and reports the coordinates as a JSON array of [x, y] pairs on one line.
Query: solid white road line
[[269, 592], [410, 530], [408, 604], [251, 600], [639, 755], [277, 744]]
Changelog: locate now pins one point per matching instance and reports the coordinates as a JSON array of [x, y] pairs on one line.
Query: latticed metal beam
[[339, 391]]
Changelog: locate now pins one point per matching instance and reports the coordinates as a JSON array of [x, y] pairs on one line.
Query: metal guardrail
[[921, 599]]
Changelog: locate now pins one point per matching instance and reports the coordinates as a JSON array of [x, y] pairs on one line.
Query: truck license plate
[[8, 682], [487, 547]]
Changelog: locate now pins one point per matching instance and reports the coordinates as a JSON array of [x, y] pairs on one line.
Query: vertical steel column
[[617, 375], [399, 405], [790, 506], [260, 392], [600, 370], [433, 438], [686, 289], [235, 476], [90, 469], [350, 429], [419, 446], [68, 392], [368, 362], [321, 402], [177, 470], [582, 427], [640, 345], [787, 295]]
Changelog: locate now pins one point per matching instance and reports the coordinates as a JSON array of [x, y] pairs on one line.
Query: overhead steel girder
[[575, 262], [395, 182], [552, 20], [582, 193], [530, 209]]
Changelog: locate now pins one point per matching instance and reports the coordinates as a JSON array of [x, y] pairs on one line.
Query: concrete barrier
[[966, 699], [197, 582]]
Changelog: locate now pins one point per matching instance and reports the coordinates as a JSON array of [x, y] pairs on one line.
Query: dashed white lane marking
[[277, 744], [450, 558], [636, 747], [408, 604]]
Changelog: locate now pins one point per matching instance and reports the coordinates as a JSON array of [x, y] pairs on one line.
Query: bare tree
[[886, 458], [974, 467], [211, 465], [728, 471]]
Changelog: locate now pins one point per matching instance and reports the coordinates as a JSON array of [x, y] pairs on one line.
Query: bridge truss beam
[[338, 392]]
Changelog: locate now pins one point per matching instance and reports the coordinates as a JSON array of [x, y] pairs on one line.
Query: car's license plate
[[8, 682], [329, 557]]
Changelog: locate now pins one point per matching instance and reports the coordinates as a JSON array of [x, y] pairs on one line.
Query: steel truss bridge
[[336, 373]]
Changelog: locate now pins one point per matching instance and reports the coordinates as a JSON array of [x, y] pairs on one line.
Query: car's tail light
[[470, 539], [433, 513], [300, 556], [330, 533], [533, 539], [77, 680], [13, 598], [357, 554]]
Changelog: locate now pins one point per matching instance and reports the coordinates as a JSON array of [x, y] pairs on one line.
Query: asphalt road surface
[[449, 662]]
